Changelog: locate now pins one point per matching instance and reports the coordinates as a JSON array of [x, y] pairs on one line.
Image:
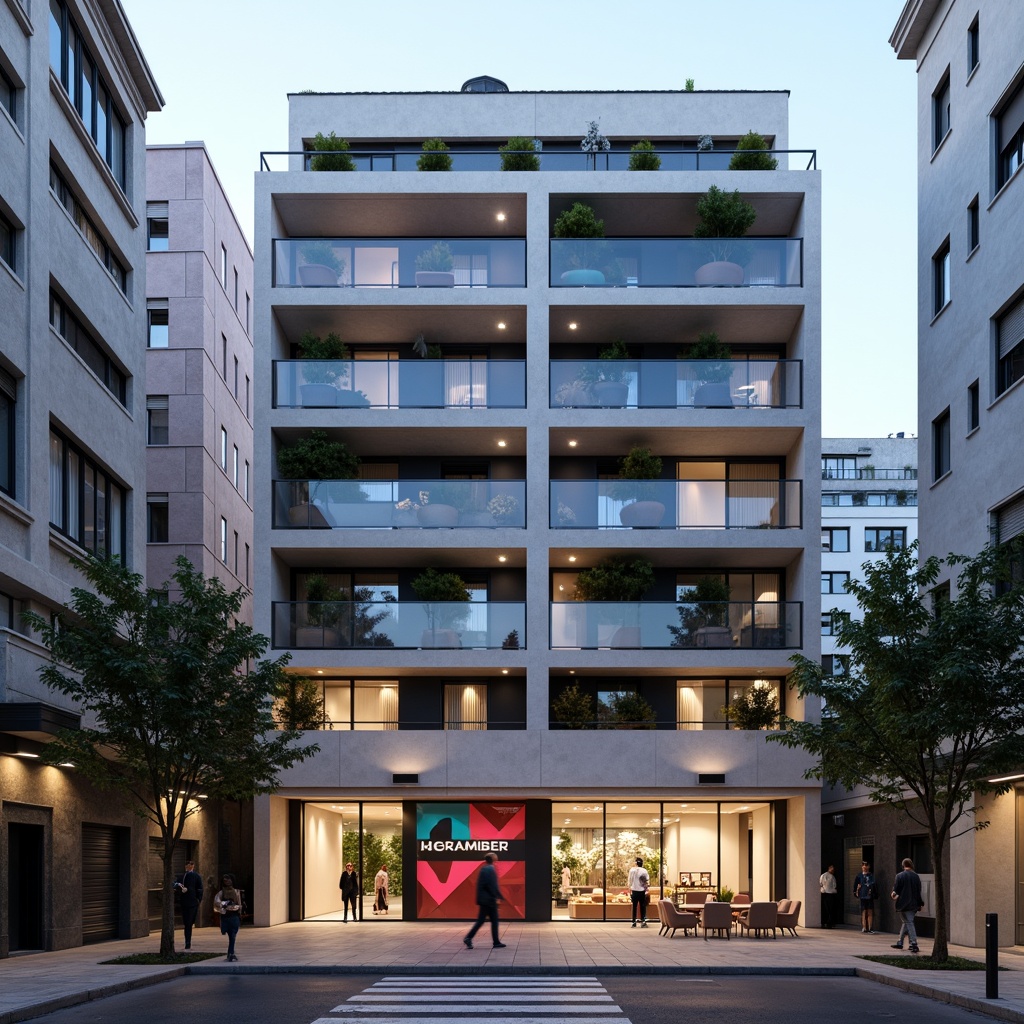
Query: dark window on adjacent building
[[8, 398], [158, 237], [835, 538], [973, 53], [973, 226], [157, 519], [157, 419], [8, 243], [940, 269], [838, 467], [223, 540], [940, 446], [834, 582], [86, 504], [973, 407], [159, 328], [940, 111], [1010, 339], [835, 664], [74, 67], [8, 95], [1010, 136], [224, 267], [1008, 525], [224, 357], [878, 538], [67, 325]]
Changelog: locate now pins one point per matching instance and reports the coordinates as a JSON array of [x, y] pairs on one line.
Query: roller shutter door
[[101, 886]]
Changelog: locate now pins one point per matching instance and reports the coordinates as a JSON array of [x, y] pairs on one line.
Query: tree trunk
[[940, 949], [167, 921]]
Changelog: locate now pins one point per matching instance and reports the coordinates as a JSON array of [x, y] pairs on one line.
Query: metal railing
[[733, 504], [906, 473], [676, 383]]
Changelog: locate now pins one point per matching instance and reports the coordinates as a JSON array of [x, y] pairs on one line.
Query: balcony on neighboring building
[[456, 263], [676, 383], [411, 383], [711, 504], [676, 262], [676, 625]]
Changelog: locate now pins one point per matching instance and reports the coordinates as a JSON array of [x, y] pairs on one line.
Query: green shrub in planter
[[628, 710], [750, 155], [574, 708], [325, 354], [578, 221], [643, 158], [335, 158], [723, 217], [519, 154], [756, 707], [714, 355], [437, 258], [636, 471], [317, 457], [617, 578], [435, 156]]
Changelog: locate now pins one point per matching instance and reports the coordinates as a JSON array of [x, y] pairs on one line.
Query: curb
[[990, 1007], [605, 970]]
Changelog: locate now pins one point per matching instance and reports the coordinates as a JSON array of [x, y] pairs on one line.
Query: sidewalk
[[39, 983]]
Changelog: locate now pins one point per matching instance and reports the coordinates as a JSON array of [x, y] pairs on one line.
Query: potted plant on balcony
[[751, 154], [643, 158], [519, 154], [325, 363], [724, 218], [714, 371], [611, 388], [434, 267], [704, 618], [446, 600], [320, 266], [441, 512], [574, 708], [309, 461], [617, 578], [335, 154], [504, 508], [435, 156], [639, 473], [322, 614], [590, 252], [628, 710], [756, 707]]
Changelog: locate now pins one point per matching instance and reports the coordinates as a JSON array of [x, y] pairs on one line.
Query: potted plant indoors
[[611, 386], [586, 257], [752, 154], [639, 475], [643, 158], [755, 707], [320, 266], [435, 156], [519, 154], [325, 363], [437, 590], [308, 461], [617, 578], [335, 154], [704, 618], [713, 359], [434, 267], [724, 218]]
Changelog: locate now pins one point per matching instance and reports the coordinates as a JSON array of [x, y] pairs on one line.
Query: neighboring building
[[199, 371], [441, 734], [75, 91], [868, 501], [971, 343]]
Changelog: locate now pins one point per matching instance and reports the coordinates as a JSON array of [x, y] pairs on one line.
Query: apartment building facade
[[491, 434], [199, 371], [970, 126]]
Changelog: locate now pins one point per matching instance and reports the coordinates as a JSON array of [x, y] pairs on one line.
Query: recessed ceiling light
[[504, 671], [573, 325], [572, 558], [572, 671], [573, 443], [319, 671], [501, 216], [501, 325], [502, 444], [502, 558]]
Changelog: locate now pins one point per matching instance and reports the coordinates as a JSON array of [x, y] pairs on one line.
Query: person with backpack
[[865, 889]]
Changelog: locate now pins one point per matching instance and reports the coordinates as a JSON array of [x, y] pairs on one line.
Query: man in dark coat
[[349, 886], [906, 891], [190, 889], [487, 897]]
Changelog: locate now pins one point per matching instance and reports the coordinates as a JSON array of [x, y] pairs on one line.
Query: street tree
[[931, 708], [179, 702]]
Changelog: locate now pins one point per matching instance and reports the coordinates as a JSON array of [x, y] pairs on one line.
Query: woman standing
[[228, 903], [380, 887]]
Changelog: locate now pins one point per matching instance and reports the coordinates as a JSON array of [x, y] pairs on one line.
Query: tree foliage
[[932, 706], [181, 704]]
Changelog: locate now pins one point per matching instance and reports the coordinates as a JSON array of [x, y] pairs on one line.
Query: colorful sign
[[451, 842]]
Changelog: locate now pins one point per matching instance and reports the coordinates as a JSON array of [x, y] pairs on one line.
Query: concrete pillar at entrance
[[270, 861]]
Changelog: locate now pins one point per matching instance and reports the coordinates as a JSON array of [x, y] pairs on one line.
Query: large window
[[838, 467], [104, 253], [940, 446], [940, 111], [86, 504], [8, 397], [74, 66], [1010, 135], [879, 538], [834, 582], [835, 538], [1010, 339], [68, 326]]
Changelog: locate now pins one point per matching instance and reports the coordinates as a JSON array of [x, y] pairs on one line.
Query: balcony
[[869, 473], [676, 504], [396, 625], [399, 263], [399, 504], [674, 262], [676, 384], [400, 384], [671, 625]]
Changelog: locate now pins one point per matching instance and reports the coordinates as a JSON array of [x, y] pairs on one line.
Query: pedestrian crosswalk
[[479, 1000]]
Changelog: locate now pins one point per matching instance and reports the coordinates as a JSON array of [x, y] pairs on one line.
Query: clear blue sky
[[225, 67]]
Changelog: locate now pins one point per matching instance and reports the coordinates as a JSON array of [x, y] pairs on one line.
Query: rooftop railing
[[572, 159], [676, 383]]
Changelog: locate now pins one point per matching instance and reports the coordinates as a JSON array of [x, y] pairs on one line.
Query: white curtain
[[690, 710], [376, 707], [754, 500], [465, 706]]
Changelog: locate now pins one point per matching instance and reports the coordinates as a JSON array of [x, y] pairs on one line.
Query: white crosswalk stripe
[[479, 1000]]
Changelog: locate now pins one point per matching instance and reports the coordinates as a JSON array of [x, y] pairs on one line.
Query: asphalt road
[[634, 999]]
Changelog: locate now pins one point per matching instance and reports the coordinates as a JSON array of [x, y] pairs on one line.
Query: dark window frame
[[941, 277], [878, 542], [163, 238], [973, 406], [8, 243], [832, 578], [973, 225], [973, 46], [832, 531], [8, 432], [941, 464], [941, 111], [8, 94], [92, 352], [157, 518]]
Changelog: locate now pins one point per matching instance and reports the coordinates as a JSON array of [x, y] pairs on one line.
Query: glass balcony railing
[[399, 504], [668, 625], [676, 504], [406, 625], [676, 262], [399, 263], [676, 383], [400, 384]]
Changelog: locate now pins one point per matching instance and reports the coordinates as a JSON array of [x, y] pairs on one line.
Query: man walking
[[190, 888], [829, 893], [865, 889], [487, 896], [906, 891], [349, 886], [639, 882]]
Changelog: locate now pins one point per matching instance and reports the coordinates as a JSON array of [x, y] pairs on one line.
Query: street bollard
[[991, 956]]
